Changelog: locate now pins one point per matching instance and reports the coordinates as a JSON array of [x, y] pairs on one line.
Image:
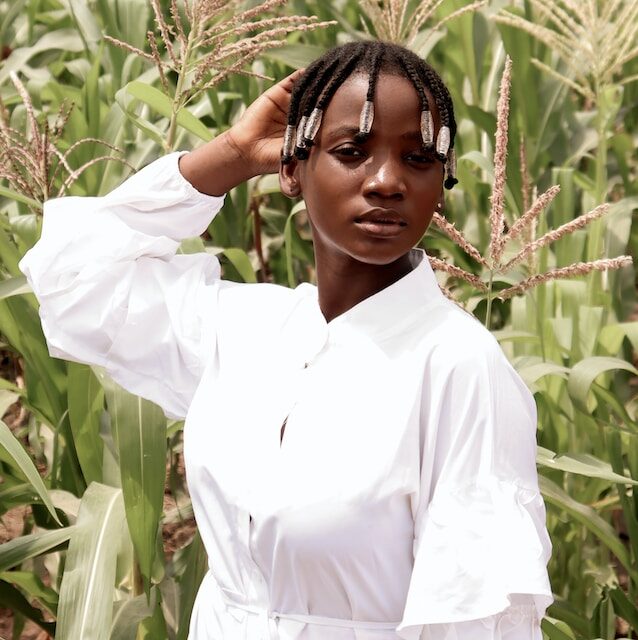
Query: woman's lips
[[382, 223]]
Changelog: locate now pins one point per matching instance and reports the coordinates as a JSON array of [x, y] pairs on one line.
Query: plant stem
[[177, 100], [595, 238], [488, 311]]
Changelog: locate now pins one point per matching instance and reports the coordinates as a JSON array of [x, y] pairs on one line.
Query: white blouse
[[402, 501]]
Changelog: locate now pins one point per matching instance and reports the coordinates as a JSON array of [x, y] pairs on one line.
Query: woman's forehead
[[396, 103]]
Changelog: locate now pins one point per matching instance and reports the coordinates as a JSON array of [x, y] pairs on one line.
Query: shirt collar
[[386, 313], [392, 308]]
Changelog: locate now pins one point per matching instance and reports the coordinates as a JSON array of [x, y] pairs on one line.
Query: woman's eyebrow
[[343, 130], [412, 135], [351, 131]]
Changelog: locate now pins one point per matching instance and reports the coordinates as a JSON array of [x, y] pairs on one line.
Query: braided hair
[[314, 90]]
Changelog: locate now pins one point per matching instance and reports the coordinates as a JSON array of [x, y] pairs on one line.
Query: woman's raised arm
[[113, 290]]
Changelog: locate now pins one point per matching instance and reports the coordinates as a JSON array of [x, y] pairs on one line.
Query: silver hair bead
[[450, 165], [427, 128], [443, 141], [289, 136], [313, 124], [366, 118], [300, 132]]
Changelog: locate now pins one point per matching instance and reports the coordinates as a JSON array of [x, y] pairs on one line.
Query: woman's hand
[[249, 148], [259, 134]]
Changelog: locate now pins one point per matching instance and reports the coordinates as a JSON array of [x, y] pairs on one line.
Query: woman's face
[[370, 201]]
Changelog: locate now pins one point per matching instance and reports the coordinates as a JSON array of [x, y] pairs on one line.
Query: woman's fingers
[[288, 82], [280, 92]]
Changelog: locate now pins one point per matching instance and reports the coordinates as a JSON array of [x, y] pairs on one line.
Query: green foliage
[[100, 454]]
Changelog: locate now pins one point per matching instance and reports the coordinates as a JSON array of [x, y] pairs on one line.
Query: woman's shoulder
[[456, 336], [250, 293], [261, 304]]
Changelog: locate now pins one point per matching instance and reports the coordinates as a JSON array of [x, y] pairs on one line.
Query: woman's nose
[[385, 179]]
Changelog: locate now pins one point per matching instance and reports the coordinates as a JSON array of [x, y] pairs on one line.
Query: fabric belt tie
[[268, 618]]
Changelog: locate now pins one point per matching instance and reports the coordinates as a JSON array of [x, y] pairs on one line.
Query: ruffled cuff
[[476, 549], [517, 622]]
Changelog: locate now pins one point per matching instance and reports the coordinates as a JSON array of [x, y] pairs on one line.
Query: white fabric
[[403, 501]]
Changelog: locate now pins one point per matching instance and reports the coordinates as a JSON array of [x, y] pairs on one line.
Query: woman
[[360, 454]]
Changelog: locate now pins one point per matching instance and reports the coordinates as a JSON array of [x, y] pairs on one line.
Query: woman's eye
[[420, 158], [350, 152]]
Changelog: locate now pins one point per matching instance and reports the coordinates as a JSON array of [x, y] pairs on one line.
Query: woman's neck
[[343, 281]]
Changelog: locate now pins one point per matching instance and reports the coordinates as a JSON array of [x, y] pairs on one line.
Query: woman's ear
[[288, 180]]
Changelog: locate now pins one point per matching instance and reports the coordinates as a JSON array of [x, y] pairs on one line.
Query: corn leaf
[[139, 427], [5, 192], [584, 373], [86, 402], [34, 587], [21, 460], [554, 495], [18, 550], [13, 599], [86, 592], [161, 103], [240, 260], [581, 463], [129, 613]]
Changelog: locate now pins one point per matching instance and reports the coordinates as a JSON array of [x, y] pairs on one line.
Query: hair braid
[[442, 98], [373, 60], [427, 125], [299, 90], [314, 92], [339, 77], [375, 66]]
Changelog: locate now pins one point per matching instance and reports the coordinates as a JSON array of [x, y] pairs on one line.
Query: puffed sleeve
[[481, 546], [113, 292]]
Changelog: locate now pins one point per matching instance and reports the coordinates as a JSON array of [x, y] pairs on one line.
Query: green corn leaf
[[510, 335], [5, 192], [86, 23], [34, 587], [557, 630], [296, 56], [86, 401], [86, 592], [14, 600], [192, 564], [566, 612], [18, 550], [554, 495], [624, 606], [66, 40], [16, 495], [240, 260], [267, 184], [139, 427], [531, 373], [288, 239], [161, 103], [584, 373], [22, 461], [581, 463], [14, 287], [129, 613]]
